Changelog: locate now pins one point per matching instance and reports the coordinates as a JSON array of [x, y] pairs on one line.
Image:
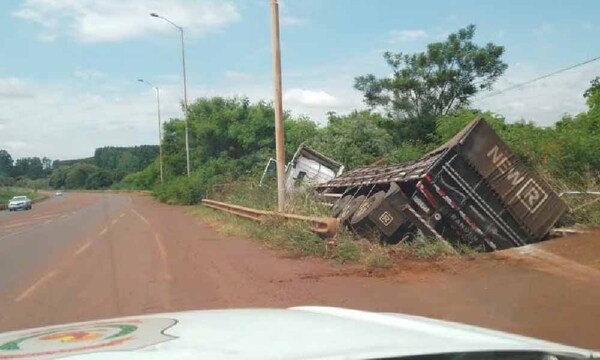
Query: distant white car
[[58, 193], [19, 203]]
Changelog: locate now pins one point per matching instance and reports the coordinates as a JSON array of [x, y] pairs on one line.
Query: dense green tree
[[77, 175], [297, 132], [36, 169], [174, 162], [353, 139], [6, 181], [232, 128], [592, 94], [125, 160], [407, 151], [80, 176], [30, 167], [229, 139], [6, 164], [426, 85], [145, 179], [58, 178], [99, 179], [528, 141]]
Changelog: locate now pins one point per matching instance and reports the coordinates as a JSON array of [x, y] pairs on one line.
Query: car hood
[[295, 333]]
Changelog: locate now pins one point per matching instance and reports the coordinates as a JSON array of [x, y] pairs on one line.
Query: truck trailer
[[471, 190]]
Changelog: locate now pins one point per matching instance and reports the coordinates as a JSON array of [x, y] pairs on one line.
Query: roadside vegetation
[[426, 100], [231, 139], [107, 167], [295, 239], [7, 193]]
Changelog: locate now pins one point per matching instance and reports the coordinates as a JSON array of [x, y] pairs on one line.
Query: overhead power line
[[516, 86]]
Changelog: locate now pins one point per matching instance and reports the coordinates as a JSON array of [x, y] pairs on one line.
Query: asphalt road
[[88, 256]]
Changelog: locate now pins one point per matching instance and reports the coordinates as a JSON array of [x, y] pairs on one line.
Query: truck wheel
[[349, 210], [360, 221], [340, 205]]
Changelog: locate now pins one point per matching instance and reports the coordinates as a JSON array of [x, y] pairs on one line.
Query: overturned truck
[[472, 190]]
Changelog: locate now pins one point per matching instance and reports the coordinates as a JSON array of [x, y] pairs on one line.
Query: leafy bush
[[407, 151], [7, 193], [377, 258], [180, 190], [354, 139], [347, 248], [142, 180]]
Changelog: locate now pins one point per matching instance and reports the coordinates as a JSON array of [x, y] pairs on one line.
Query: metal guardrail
[[324, 226]]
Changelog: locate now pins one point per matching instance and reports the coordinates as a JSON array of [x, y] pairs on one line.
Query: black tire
[[349, 210], [340, 205]]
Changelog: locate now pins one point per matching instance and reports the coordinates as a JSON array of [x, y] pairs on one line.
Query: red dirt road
[[89, 256]]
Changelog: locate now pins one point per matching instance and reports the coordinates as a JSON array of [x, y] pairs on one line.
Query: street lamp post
[[185, 100], [160, 156]]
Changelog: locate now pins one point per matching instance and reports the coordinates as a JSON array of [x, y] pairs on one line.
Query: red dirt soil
[[146, 257]]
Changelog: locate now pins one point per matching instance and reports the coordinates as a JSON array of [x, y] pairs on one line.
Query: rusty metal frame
[[324, 226]]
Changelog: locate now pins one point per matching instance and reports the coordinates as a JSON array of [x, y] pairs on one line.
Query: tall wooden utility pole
[[279, 136]]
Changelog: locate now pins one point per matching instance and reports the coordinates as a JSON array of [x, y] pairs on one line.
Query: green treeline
[[426, 98], [106, 168]]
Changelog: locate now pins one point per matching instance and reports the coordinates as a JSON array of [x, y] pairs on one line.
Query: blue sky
[[69, 67]]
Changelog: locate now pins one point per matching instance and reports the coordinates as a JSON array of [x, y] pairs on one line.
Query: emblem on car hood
[[60, 341]]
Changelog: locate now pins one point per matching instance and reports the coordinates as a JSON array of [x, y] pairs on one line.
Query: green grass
[[347, 249], [296, 239], [423, 248], [292, 237], [584, 210], [377, 258], [7, 193]]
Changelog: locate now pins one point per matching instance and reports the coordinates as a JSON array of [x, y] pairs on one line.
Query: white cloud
[[237, 75], [312, 98], [545, 101], [287, 20], [12, 87], [116, 20], [397, 36], [87, 74], [62, 123], [12, 146]]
